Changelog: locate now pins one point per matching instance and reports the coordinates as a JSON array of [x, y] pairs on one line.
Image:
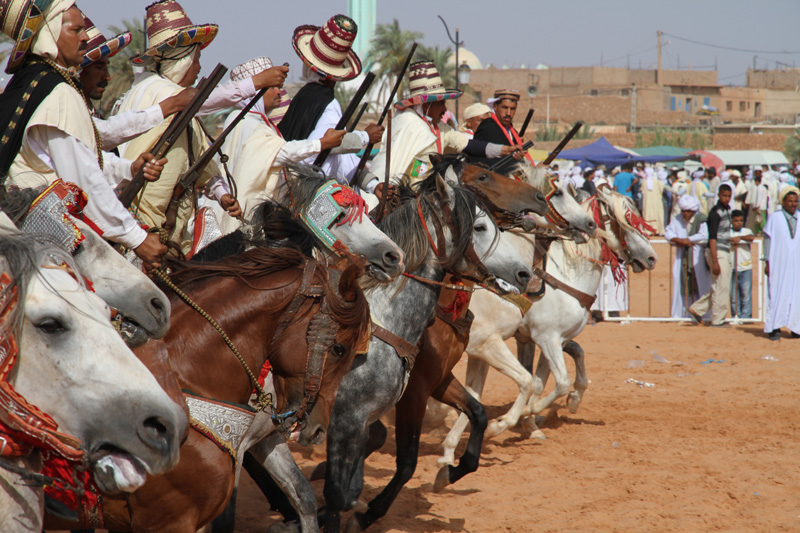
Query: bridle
[[333, 205], [552, 213]]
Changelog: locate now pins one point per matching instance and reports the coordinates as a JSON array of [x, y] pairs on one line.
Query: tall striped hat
[[425, 85], [100, 47], [168, 28], [21, 20], [327, 50]]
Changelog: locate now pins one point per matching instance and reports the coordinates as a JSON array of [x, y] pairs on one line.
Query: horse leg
[[553, 352], [453, 393], [226, 522], [477, 371], [376, 438], [409, 413], [574, 350], [526, 352], [273, 454], [539, 381]]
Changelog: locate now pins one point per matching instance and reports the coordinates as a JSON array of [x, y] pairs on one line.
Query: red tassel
[[70, 485], [355, 205], [459, 304]]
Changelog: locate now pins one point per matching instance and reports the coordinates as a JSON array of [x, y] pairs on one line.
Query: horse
[[442, 230], [278, 304], [550, 321], [74, 398], [142, 309]]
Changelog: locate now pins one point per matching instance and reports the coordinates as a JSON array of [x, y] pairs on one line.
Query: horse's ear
[[450, 176], [348, 282], [444, 189], [435, 159]]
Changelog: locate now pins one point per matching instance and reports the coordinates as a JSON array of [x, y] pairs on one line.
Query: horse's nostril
[[540, 197], [158, 305], [391, 258], [154, 433], [523, 275], [591, 225], [652, 260]]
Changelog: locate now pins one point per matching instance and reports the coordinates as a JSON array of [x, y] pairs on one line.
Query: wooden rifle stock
[[563, 143], [504, 160], [370, 146], [176, 127], [524, 127], [348, 114]]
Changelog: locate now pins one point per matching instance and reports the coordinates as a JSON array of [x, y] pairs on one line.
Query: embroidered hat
[[248, 69], [278, 113], [168, 28], [425, 85], [21, 20], [327, 50], [506, 94], [100, 47]]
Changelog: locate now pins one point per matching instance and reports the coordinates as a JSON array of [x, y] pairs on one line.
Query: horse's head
[[331, 335], [74, 366], [123, 286], [565, 213], [337, 216], [628, 229], [473, 246], [505, 197]]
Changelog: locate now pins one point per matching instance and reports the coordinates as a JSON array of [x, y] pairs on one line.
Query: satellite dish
[[533, 91]]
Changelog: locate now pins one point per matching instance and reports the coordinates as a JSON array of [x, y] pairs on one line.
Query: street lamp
[[457, 44], [463, 73]]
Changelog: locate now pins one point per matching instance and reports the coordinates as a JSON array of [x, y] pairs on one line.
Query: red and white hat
[[100, 47], [168, 28], [327, 50], [425, 85]]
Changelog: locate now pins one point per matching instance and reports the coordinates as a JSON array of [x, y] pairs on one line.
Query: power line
[[732, 48]]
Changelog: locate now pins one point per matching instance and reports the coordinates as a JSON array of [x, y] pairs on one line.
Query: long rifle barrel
[[528, 118], [563, 143], [176, 127], [506, 159], [356, 120], [348, 113]]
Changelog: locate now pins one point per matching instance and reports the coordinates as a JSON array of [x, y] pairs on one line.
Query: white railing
[[760, 283]]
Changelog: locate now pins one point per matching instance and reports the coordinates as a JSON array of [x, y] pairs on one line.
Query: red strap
[[516, 140], [435, 130], [425, 226], [269, 123]]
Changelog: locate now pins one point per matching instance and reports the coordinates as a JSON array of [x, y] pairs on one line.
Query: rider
[[500, 127], [49, 132]]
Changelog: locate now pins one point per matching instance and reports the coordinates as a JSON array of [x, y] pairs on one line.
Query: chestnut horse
[[252, 296]]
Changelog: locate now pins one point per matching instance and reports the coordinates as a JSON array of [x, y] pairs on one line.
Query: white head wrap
[[784, 177], [688, 202], [786, 189], [599, 173], [681, 174], [724, 175], [576, 170], [176, 63], [44, 44], [649, 175], [698, 174], [662, 174], [475, 110]]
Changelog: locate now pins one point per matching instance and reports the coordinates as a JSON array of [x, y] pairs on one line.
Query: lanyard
[[435, 130], [515, 140], [269, 122]]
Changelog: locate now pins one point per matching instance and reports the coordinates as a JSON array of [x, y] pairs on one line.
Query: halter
[[607, 255], [331, 201], [552, 214]]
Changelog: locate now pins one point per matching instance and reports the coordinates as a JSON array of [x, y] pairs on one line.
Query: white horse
[[550, 322], [73, 366]]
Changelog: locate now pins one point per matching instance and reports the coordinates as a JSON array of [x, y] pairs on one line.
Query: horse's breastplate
[[225, 424]]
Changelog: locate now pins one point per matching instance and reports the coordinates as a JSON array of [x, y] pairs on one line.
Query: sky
[[516, 32]]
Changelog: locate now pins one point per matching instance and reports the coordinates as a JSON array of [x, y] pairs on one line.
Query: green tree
[[388, 53], [119, 67], [792, 146]]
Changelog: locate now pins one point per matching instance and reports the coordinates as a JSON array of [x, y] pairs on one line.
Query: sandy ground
[[710, 447]]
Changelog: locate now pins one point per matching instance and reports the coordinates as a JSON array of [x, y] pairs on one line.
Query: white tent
[[735, 158]]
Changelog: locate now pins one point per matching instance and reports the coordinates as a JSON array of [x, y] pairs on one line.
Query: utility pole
[[633, 109], [547, 124], [659, 80]]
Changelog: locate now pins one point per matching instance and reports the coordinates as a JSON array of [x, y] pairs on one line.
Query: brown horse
[[269, 302]]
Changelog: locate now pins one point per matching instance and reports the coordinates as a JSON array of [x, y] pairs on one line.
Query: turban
[[788, 189], [784, 177], [599, 173], [176, 63], [724, 175], [688, 202], [44, 44], [698, 174], [736, 173], [663, 174], [576, 170], [475, 110], [649, 172], [681, 174]]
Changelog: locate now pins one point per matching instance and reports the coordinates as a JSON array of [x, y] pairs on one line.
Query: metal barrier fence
[[760, 284]]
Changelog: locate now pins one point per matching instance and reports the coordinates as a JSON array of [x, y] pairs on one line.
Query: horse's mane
[[21, 255], [303, 181], [535, 176], [17, 202]]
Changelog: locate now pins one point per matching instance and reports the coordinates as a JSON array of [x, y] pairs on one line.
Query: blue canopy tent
[[601, 152]]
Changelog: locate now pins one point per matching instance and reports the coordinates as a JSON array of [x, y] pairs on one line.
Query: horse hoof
[[446, 460], [573, 402], [442, 479], [360, 506], [537, 435], [353, 525], [285, 527], [319, 472], [494, 428]]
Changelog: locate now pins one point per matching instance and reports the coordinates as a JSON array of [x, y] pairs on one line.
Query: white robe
[[617, 294], [783, 301], [678, 228], [653, 206]]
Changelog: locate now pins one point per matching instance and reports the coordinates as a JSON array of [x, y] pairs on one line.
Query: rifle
[[528, 118], [563, 143], [506, 159], [191, 176], [356, 120], [178, 125], [388, 166], [370, 146], [348, 114]]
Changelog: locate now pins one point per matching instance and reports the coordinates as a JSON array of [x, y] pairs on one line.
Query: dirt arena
[[711, 446]]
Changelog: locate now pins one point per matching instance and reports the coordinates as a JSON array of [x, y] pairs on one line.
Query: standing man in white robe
[[687, 233], [782, 256], [652, 200]]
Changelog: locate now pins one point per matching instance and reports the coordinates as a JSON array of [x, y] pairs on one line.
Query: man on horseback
[[499, 127], [418, 130], [47, 123]]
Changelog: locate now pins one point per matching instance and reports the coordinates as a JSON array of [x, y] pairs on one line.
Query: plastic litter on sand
[[635, 363], [642, 384], [769, 357], [659, 358], [712, 361]]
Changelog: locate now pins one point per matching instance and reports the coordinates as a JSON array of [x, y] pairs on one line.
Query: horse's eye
[[558, 193], [51, 326], [483, 177], [480, 228], [339, 217], [338, 350]]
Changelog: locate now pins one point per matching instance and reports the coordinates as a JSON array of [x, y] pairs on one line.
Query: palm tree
[[119, 67], [388, 53]]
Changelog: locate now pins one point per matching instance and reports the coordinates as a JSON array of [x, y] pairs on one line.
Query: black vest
[[305, 110]]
